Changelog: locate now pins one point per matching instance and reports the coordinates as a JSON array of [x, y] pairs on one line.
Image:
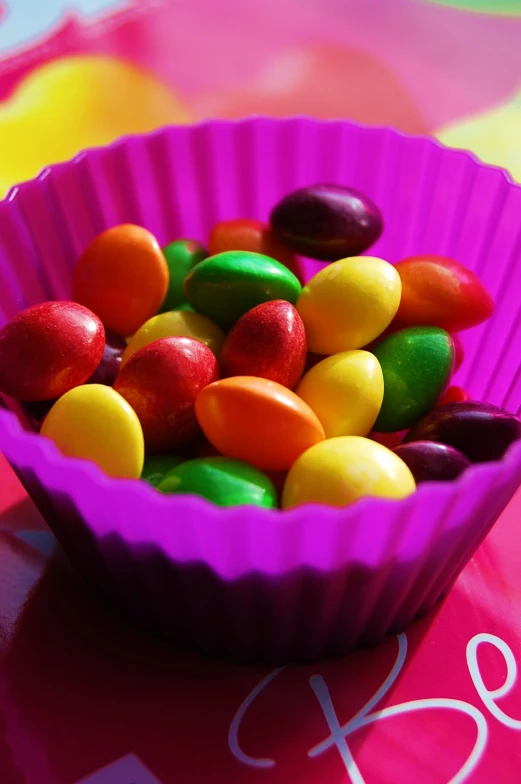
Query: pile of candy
[[216, 373]]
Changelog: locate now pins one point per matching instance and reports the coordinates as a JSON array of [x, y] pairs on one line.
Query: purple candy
[[430, 461], [327, 222], [108, 368], [481, 431]]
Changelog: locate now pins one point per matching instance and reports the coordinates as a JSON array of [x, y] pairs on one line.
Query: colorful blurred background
[[76, 73]]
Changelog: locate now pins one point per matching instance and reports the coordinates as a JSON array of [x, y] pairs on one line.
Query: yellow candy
[[339, 471], [345, 391], [95, 423], [176, 323], [349, 303]]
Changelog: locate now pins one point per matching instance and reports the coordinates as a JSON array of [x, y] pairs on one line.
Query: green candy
[[184, 306], [221, 480], [417, 364], [181, 256], [225, 286], [156, 466]]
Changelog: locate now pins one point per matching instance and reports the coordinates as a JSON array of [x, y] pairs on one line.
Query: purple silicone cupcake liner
[[250, 583]]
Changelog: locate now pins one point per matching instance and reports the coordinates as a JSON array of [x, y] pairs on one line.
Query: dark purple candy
[[481, 431], [327, 222], [108, 368], [430, 461]]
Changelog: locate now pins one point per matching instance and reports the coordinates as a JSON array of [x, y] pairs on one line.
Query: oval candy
[[417, 364], [110, 363], [181, 257], [440, 292], [481, 431], [49, 348], [430, 461], [123, 277], [254, 236], [95, 423], [222, 481], [258, 421], [156, 467], [345, 391], [268, 341], [349, 303], [327, 222], [161, 382], [176, 323], [342, 470], [227, 285]]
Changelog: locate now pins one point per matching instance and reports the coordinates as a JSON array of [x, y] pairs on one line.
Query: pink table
[[85, 698]]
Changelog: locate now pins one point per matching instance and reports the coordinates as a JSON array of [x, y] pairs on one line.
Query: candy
[[268, 341], [481, 431], [226, 286], [349, 303], [430, 461], [47, 349], [95, 423], [453, 395], [257, 420], [223, 481], [123, 277], [181, 257], [176, 323], [390, 440], [339, 471], [327, 222], [110, 363], [345, 391], [459, 352], [439, 292], [156, 467], [252, 235], [161, 382], [417, 364]]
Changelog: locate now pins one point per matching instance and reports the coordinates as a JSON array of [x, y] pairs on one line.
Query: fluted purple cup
[[250, 583]]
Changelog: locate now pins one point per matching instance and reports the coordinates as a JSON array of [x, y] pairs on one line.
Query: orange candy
[[257, 420], [122, 276], [251, 235]]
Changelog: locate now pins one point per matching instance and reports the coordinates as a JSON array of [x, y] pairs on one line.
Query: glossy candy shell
[[325, 579]]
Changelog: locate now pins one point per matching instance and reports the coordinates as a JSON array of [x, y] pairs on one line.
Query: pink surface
[[79, 690]]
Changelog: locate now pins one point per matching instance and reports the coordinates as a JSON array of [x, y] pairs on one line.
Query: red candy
[[48, 349], [161, 382], [439, 292], [454, 395], [269, 341], [251, 235]]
